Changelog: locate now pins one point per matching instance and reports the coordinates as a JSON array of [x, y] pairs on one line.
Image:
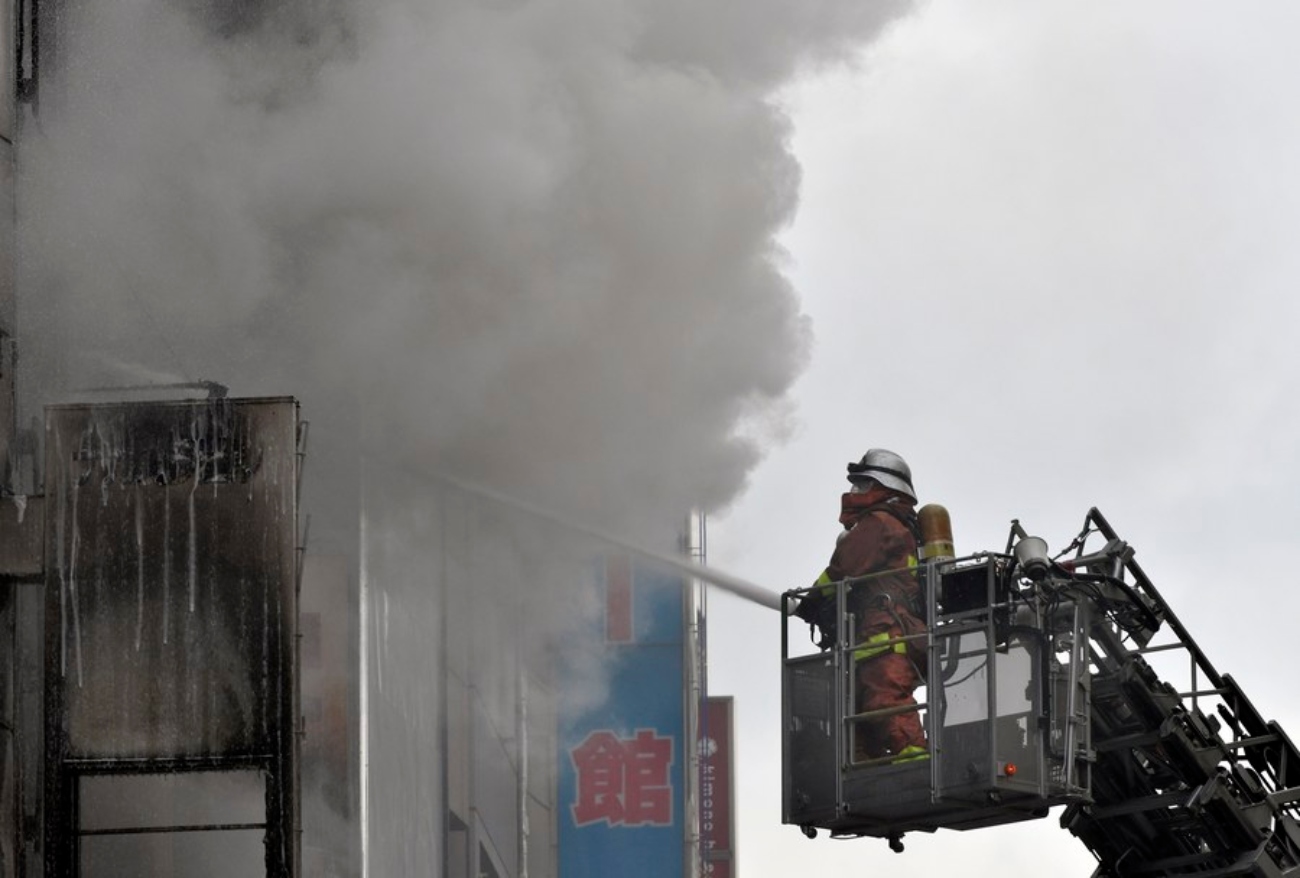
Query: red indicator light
[[1009, 769]]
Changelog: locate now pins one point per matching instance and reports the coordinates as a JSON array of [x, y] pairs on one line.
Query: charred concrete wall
[[16, 549], [171, 580], [8, 205]]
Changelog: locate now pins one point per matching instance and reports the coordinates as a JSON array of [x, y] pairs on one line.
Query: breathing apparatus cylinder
[[936, 533]]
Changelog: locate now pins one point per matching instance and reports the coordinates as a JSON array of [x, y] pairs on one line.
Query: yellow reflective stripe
[[882, 646], [911, 753], [824, 584]]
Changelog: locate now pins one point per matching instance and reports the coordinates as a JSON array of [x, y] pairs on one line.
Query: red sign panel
[[717, 845], [618, 600]]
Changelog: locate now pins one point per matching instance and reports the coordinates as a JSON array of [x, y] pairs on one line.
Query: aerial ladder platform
[[1061, 680]]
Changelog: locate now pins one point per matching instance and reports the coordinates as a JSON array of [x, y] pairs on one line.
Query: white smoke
[[533, 243]]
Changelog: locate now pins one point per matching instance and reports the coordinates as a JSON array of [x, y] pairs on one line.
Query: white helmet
[[884, 467]]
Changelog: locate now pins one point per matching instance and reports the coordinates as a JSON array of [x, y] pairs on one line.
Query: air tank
[[936, 533]]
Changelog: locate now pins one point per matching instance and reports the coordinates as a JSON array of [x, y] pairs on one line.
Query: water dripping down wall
[[171, 577]]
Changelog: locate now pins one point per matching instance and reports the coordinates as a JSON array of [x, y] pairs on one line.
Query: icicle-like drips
[[167, 562], [139, 568], [72, 582], [60, 558], [192, 535], [192, 549]]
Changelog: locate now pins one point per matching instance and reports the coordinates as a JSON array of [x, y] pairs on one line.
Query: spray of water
[[735, 585]]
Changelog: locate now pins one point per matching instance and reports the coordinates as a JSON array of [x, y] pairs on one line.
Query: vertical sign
[[621, 758], [717, 847]]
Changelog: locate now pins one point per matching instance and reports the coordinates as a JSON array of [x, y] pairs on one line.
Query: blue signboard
[[621, 761]]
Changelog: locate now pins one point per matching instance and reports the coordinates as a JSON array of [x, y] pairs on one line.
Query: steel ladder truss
[[1184, 782]]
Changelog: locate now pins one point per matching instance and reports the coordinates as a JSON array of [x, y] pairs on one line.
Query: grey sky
[[1048, 253]]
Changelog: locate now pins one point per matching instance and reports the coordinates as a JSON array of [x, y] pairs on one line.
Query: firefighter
[[880, 537]]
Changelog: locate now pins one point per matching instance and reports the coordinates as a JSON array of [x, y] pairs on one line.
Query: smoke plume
[[530, 243]]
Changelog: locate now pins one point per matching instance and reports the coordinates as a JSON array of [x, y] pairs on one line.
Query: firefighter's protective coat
[[881, 535]]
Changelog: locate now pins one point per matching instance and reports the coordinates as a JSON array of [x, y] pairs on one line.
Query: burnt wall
[[171, 618]]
